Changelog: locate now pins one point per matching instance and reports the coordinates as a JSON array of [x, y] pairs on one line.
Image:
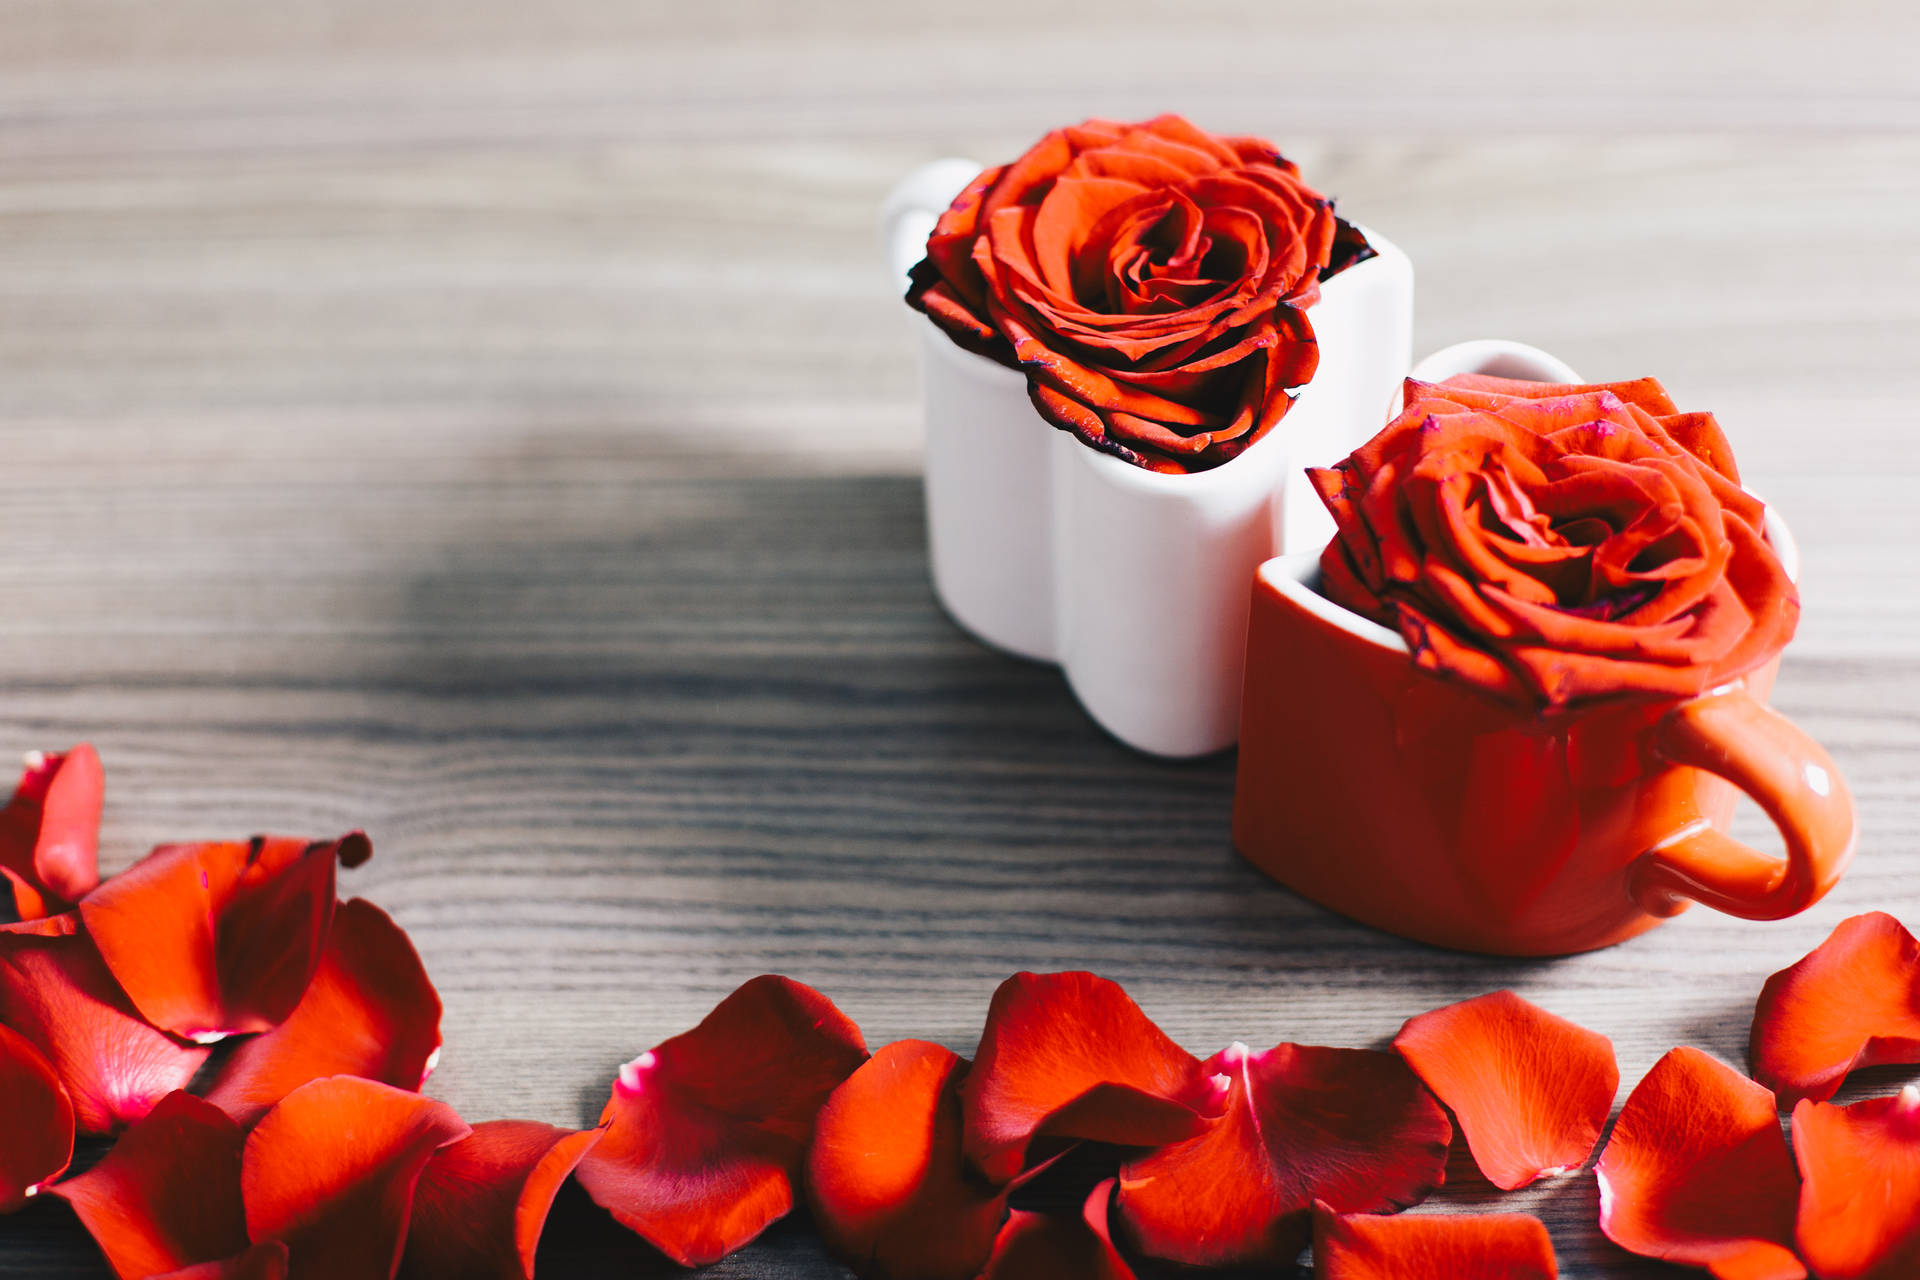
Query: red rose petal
[[1531, 1091], [1352, 1127], [1859, 1216], [168, 1194], [1071, 1056], [1854, 1001], [888, 1183], [214, 939], [331, 1172], [1697, 1172], [50, 831], [1038, 1246], [57, 993], [708, 1131], [482, 1202], [262, 1262], [36, 1135], [370, 1011], [1432, 1246]]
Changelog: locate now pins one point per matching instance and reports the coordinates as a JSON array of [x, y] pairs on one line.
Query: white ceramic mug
[[1135, 583]]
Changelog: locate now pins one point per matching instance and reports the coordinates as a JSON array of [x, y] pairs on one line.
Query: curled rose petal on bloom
[[36, 1142], [1352, 1127], [1531, 1091], [706, 1133], [370, 1011], [331, 1170], [1854, 1001], [483, 1201], [210, 940], [1433, 1246], [261, 1262], [1556, 545], [888, 1183], [1859, 1215], [56, 992], [1038, 1246], [1697, 1172], [50, 831], [1151, 281], [167, 1196], [1070, 1056]]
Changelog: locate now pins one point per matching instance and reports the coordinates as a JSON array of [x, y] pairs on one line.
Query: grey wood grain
[[491, 425]]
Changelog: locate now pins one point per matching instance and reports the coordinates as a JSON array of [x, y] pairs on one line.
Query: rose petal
[[50, 831], [1432, 1246], [1038, 1246], [56, 992], [1352, 1127], [482, 1202], [262, 1262], [214, 939], [370, 1011], [1531, 1091], [1853, 1001], [889, 1186], [1697, 1172], [707, 1132], [331, 1170], [36, 1140], [1070, 1056], [1859, 1215]]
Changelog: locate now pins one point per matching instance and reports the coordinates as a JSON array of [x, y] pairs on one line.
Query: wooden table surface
[[492, 425]]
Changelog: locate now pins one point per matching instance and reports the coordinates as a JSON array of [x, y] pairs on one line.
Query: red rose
[[1151, 280], [1553, 544]]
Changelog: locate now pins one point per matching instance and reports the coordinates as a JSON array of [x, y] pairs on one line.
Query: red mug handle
[[1789, 775]]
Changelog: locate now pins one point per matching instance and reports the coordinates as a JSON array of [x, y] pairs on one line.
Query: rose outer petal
[[1352, 1127], [1853, 1001], [483, 1201], [1859, 1216], [261, 1262], [707, 1132], [1531, 1091], [331, 1170], [36, 1134], [1432, 1246], [1697, 1172], [1038, 1246], [370, 1011], [50, 831]]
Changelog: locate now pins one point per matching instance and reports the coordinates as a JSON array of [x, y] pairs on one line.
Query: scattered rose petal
[[1352, 1127], [210, 940], [64, 925], [167, 1195], [1854, 1001], [1432, 1246], [50, 831], [1071, 1056], [707, 1132], [1697, 1172], [1038, 1246], [483, 1201], [1859, 1216], [370, 1011], [262, 1262], [36, 1132], [331, 1172], [57, 993], [889, 1186], [1531, 1091]]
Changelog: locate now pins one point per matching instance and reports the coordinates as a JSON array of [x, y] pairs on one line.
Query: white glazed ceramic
[[1137, 584]]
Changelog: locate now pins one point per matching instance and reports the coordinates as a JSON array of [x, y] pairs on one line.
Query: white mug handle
[[914, 205]]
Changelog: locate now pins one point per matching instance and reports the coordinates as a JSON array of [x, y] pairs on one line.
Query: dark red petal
[[262, 1262], [331, 1171], [1859, 1216], [50, 831], [1854, 1001], [1531, 1091], [210, 940], [1697, 1172], [370, 1011], [889, 1186], [482, 1202], [707, 1132], [1352, 1127], [1432, 1246], [1070, 1055], [36, 1121], [1038, 1246], [56, 992], [168, 1194]]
